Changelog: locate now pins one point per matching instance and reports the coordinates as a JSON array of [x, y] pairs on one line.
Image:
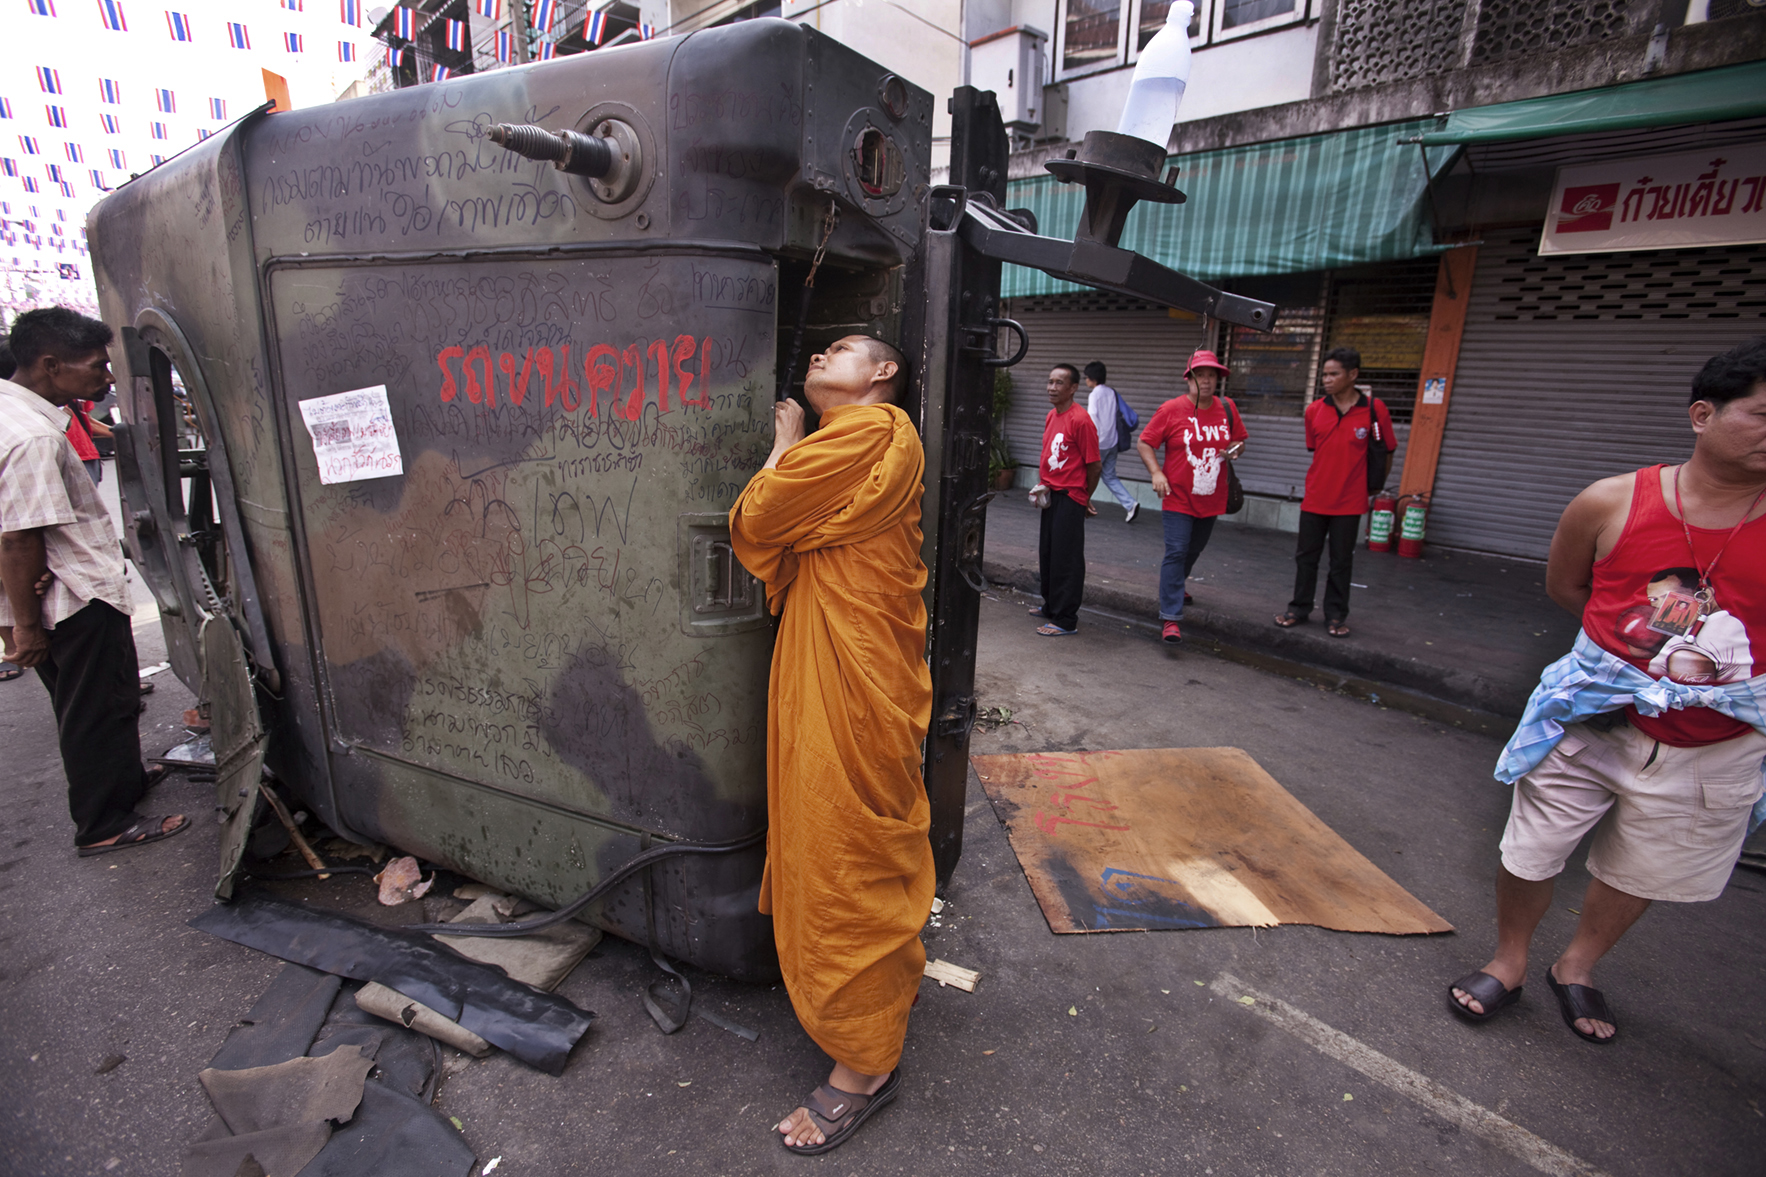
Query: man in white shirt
[[1101, 404], [77, 635]]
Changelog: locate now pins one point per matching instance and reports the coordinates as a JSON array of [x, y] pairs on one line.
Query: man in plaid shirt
[[77, 634]]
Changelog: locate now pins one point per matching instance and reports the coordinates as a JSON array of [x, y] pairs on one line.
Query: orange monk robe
[[834, 532]]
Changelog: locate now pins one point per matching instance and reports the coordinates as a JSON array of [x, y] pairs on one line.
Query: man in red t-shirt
[[1070, 468], [1666, 567], [1201, 432], [1340, 426]]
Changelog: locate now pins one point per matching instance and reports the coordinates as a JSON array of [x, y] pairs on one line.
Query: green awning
[[1324, 201], [1713, 95]]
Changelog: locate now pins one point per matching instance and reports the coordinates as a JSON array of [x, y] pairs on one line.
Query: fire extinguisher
[[1379, 523], [1413, 525]]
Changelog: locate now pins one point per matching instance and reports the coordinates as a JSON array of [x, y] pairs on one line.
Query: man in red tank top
[[1666, 567]]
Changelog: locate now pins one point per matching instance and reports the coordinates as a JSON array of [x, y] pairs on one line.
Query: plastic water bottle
[[1159, 79]]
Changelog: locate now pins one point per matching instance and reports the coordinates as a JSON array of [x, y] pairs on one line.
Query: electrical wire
[[619, 874]]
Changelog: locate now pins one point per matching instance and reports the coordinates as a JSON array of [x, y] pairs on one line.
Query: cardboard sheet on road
[[1183, 838]]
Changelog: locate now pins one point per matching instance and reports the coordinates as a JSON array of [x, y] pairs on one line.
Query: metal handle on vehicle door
[[968, 562], [1017, 329]]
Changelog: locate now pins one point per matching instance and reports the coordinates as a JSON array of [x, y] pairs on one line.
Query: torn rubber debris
[[394, 1006], [537, 1028]]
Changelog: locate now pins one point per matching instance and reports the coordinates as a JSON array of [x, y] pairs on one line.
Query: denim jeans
[[1109, 479], [1185, 537]]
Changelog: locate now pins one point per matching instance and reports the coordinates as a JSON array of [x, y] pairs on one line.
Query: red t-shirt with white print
[[1069, 445], [1195, 442]]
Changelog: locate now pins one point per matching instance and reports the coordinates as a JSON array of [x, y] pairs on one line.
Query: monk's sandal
[[839, 1113]]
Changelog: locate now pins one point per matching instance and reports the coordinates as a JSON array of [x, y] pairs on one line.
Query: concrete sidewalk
[[1458, 635]]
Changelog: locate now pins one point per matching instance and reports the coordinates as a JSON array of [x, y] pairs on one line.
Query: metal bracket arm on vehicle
[[996, 235]]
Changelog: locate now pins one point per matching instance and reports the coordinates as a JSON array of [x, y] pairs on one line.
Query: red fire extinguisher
[[1413, 525], [1379, 523]]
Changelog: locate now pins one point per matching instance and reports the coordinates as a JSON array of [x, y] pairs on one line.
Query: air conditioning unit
[[1013, 63]]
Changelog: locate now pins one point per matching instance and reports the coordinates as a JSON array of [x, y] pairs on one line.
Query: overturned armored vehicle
[[451, 558]]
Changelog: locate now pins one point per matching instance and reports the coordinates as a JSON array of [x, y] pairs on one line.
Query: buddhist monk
[[831, 524]]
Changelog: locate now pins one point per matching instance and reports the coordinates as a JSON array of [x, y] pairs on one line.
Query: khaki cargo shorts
[[1675, 817]]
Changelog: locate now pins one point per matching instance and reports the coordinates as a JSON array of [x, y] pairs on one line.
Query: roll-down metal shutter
[[1142, 346], [1573, 368]]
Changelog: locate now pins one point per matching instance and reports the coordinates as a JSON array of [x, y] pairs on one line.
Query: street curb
[[1460, 697]]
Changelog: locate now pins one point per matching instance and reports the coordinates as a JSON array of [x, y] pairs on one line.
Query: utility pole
[[518, 33]]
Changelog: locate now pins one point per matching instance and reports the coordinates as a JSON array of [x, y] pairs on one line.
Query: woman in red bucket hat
[[1200, 432]]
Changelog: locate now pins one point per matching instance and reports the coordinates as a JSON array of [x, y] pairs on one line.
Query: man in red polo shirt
[[1070, 468], [1340, 426]]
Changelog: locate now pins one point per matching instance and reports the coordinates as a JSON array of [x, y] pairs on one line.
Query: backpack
[[1127, 421]]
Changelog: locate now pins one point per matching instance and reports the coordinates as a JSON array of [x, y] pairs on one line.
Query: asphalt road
[[1345, 1063]]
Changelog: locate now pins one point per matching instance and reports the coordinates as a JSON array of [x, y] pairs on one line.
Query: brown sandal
[[839, 1113]]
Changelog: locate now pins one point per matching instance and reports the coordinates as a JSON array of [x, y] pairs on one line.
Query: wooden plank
[[1447, 323], [946, 973], [1183, 838]]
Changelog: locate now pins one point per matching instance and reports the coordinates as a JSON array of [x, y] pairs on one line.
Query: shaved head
[[881, 353]]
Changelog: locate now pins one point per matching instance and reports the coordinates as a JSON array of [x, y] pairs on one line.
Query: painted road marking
[[1449, 1105]]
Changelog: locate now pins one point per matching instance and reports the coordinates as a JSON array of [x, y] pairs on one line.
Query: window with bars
[[1383, 312], [1273, 373], [1720, 282]]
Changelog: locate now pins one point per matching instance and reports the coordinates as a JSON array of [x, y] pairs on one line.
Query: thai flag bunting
[[158, 159], [350, 12], [237, 36], [9, 167], [168, 102], [457, 36], [31, 181], [29, 144], [111, 13], [57, 116], [98, 179], [116, 158], [505, 47], [67, 190], [395, 56], [595, 27], [543, 12], [438, 73], [179, 24], [645, 32], [110, 92], [294, 5], [74, 153], [547, 51], [49, 79], [54, 173], [492, 9], [5, 108], [293, 43], [159, 131], [112, 124], [202, 133], [346, 51], [401, 22], [217, 109], [41, 7]]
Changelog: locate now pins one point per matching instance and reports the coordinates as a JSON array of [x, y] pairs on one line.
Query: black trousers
[[1061, 548], [1314, 531], [95, 686]]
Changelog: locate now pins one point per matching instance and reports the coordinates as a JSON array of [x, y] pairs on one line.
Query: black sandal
[[839, 1113], [1289, 621], [1487, 991], [1582, 1001], [147, 829]]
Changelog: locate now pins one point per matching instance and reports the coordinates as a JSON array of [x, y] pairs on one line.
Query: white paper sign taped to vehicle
[[353, 435]]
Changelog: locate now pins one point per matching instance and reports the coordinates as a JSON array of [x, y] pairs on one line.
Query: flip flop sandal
[[839, 1113], [1337, 629], [1487, 991], [1289, 621], [1581, 1001], [1051, 630], [8, 671], [155, 775], [1036, 610], [148, 829]]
